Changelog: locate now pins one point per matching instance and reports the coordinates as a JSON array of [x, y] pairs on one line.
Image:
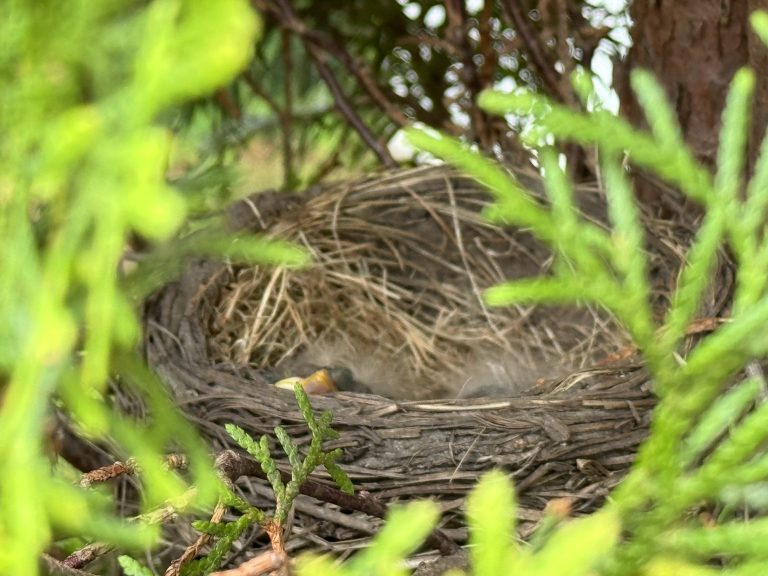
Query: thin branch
[[174, 569], [534, 48], [231, 466], [235, 465], [91, 552], [286, 118], [564, 52], [434, 42], [345, 108], [289, 20], [118, 468], [264, 563], [261, 93], [227, 104], [456, 33], [284, 115], [106, 473], [86, 555], [55, 567], [488, 68], [80, 453], [343, 105]]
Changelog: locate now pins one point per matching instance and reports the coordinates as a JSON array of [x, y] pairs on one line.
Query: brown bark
[[694, 47]]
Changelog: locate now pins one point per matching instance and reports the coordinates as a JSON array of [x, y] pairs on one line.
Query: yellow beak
[[319, 382]]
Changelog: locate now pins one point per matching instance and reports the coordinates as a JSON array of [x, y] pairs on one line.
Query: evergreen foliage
[[285, 493], [83, 157], [301, 468], [703, 449]]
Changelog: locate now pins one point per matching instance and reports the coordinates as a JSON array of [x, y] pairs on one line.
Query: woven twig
[[400, 264]]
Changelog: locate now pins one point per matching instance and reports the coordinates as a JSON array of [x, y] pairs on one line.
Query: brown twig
[[224, 100], [261, 93], [90, 552], [194, 549], [345, 108], [265, 562], [534, 48], [107, 473], [354, 66], [318, 46], [457, 35], [343, 104], [80, 453], [232, 465], [235, 465], [86, 555], [286, 117], [488, 68], [118, 468], [55, 567], [564, 52]]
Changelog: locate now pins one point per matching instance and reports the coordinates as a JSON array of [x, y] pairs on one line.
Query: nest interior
[[394, 295]]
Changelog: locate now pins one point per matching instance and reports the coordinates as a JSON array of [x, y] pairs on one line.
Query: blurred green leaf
[[544, 290], [663, 566], [167, 262], [759, 22], [83, 160], [404, 530], [723, 414], [706, 443], [132, 567], [491, 517], [578, 546]]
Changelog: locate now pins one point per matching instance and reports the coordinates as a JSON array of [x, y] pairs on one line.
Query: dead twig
[[534, 48], [269, 561], [194, 549], [55, 567], [234, 465], [354, 66], [107, 473], [318, 51]]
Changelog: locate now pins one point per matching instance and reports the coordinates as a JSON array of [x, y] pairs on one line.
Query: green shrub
[[285, 493], [83, 157]]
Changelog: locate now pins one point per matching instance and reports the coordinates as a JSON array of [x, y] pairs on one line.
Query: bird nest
[[441, 387], [394, 294]]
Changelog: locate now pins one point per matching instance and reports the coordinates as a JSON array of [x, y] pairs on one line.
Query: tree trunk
[[694, 47]]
